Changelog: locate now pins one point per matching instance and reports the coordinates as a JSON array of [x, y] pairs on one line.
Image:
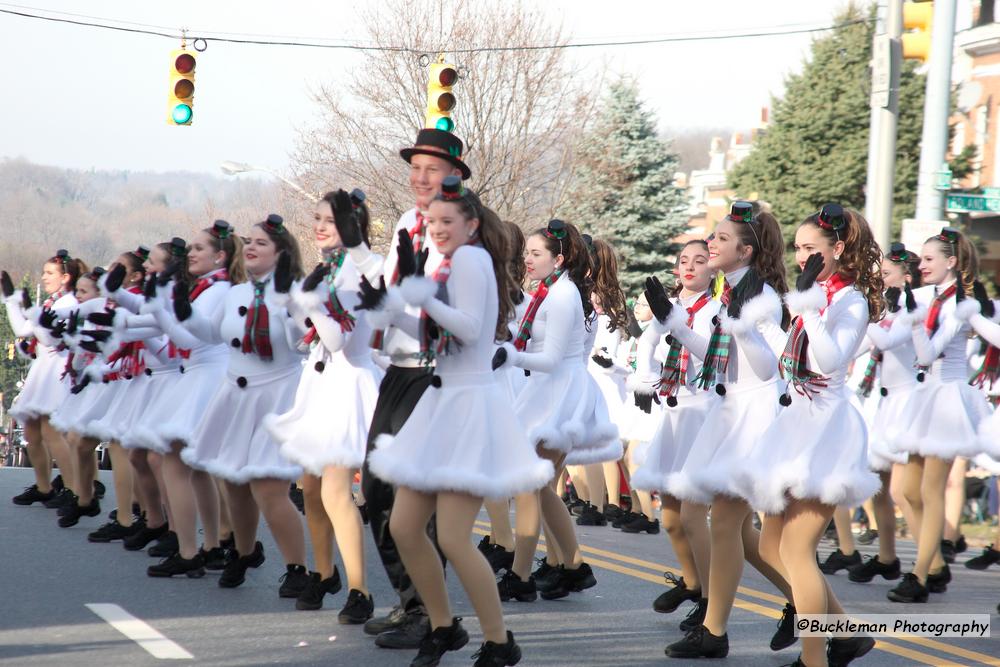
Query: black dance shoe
[[938, 583], [990, 556], [500, 559], [174, 565], [236, 569], [166, 546], [546, 576], [837, 561], [695, 617], [439, 641], [377, 626], [624, 518], [76, 511], [408, 634], [293, 581], [357, 610], [668, 601], [570, 581], [316, 589], [908, 590], [215, 558], [612, 513], [699, 643], [99, 489], [873, 567], [867, 536], [642, 525], [491, 654], [32, 495], [591, 516], [512, 587], [784, 636], [60, 498], [840, 652], [113, 530], [142, 537]]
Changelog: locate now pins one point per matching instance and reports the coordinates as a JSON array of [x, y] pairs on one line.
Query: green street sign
[[972, 203]]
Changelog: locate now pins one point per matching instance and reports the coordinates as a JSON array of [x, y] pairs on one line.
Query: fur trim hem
[[146, 438], [316, 466], [417, 291], [966, 309], [441, 479], [845, 488], [241, 475], [647, 480], [642, 384], [766, 306], [802, 302], [308, 301], [550, 438], [612, 451], [680, 485]]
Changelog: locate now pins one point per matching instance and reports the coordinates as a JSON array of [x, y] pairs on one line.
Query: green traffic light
[[182, 114], [445, 123]]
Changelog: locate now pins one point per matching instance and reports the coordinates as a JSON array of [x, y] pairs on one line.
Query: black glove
[[313, 280], [79, 386], [645, 401], [115, 278], [632, 326], [149, 289], [25, 299], [72, 322], [347, 223], [499, 358], [602, 361], [96, 334], [810, 272], [406, 258], [168, 273], [657, 299], [422, 261], [751, 286], [47, 318], [985, 302], [6, 284], [182, 301], [283, 277], [911, 301], [892, 299], [90, 346], [371, 297], [104, 319], [59, 329], [959, 291]]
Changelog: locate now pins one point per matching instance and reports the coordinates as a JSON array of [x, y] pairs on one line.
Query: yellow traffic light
[[180, 99], [917, 18], [440, 100], [10, 351]]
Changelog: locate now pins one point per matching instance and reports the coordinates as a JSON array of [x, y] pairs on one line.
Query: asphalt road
[[50, 575]]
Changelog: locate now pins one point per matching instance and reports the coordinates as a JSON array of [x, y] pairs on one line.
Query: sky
[[86, 98]]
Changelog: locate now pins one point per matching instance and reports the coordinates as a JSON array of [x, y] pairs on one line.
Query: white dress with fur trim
[[944, 412], [989, 428], [611, 381], [44, 388], [462, 436], [749, 406], [230, 441], [336, 396], [178, 406], [679, 425], [635, 425], [561, 405], [828, 460], [897, 378]]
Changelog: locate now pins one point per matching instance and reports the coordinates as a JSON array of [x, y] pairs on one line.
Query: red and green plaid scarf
[[875, 358], [794, 362], [199, 288], [717, 356], [932, 323], [257, 331], [129, 355], [334, 308], [674, 373], [429, 329], [989, 371], [417, 233], [524, 330]]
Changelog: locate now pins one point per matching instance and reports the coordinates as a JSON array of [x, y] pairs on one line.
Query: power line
[[161, 32]]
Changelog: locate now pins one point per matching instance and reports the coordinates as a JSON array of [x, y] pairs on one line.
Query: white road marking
[[140, 632]]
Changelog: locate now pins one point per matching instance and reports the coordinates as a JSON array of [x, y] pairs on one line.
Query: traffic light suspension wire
[[203, 41]]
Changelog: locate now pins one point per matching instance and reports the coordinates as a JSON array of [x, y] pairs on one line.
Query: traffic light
[[180, 99], [917, 19], [440, 100], [10, 351]]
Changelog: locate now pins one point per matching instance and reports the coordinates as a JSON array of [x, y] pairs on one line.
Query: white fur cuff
[[916, 317], [801, 302], [966, 309], [766, 306], [15, 298], [417, 291], [308, 301], [675, 320], [642, 383]]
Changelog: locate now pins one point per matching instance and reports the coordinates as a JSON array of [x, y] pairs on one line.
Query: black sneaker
[[577, 506], [32, 495], [500, 559], [625, 518], [61, 497], [193, 568], [112, 531], [491, 654], [394, 618], [142, 537], [571, 581], [295, 493], [948, 551], [358, 609], [612, 513], [938, 583], [642, 525], [256, 557], [99, 489], [961, 545], [990, 556], [485, 546], [215, 558], [908, 590], [867, 536], [668, 601], [75, 512], [136, 512], [840, 652], [591, 516], [837, 561], [229, 543], [408, 634], [439, 641], [784, 636], [695, 617], [293, 581], [166, 546], [70, 501], [235, 572], [316, 589], [512, 587], [699, 643], [867, 571], [546, 576]]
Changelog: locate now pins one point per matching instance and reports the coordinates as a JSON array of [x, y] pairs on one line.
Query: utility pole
[[885, 108], [937, 105], [874, 121]]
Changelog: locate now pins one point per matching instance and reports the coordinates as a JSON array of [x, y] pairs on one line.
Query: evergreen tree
[[623, 189], [816, 148]]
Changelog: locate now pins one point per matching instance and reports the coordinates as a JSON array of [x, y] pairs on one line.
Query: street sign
[[991, 192], [943, 178], [972, 203], [881, 71]]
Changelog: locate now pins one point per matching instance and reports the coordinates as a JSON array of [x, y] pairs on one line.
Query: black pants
[[398, 395]]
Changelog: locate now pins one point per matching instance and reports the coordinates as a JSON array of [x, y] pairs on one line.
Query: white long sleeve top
[[206, 312], [558, 334], [899, 357], [944, 353]]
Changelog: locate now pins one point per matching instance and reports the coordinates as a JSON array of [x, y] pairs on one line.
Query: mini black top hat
[[62, 255], [898, 253], [275, 224], [741, 211], [96, 273], [178, 247], [832, 218], [556, 229], [221, 229], [357, 197], [451, 188], [949, 235], [142, 252], [438, 143]]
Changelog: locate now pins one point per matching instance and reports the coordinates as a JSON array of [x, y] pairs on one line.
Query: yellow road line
[[919, 656]]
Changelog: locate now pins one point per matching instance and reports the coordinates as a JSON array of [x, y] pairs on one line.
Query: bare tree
[[519, 110]]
